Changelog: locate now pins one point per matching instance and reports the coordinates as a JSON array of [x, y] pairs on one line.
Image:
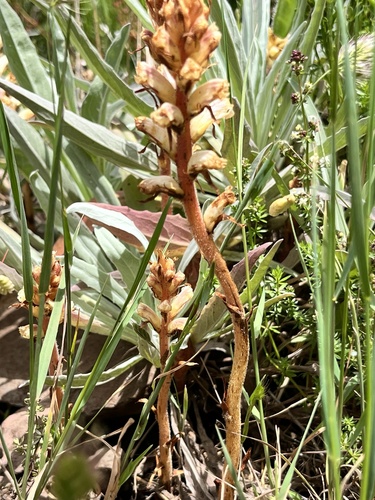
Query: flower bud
[[205, 160], [203, 95], [151, 78], [164, 307], [149, 315], [155, 286], [163, 137], [190, 72], [167, 115], [215, 212], [161, 184], [176, 282]]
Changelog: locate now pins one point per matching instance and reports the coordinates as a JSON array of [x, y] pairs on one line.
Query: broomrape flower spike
[[165, 284], [181, 45], [50, 297]]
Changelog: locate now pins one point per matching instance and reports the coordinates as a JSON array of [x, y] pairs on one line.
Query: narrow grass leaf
[[17, 195], [62, 63], [50, 337], [79, 379], [141, 13], [229, 464]]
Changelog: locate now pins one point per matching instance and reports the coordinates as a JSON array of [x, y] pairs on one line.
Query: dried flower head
[[183, 37], [50, 296], [164, 280]]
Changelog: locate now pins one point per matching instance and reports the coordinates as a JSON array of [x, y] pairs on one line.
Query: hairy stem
[[165, 456], [211, 253]]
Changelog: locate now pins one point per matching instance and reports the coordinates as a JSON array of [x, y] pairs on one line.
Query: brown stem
[[165, 456], [56, 391], [212, 255], [164, 163]]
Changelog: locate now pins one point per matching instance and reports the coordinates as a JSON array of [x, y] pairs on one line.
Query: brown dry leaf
[[175, 230]]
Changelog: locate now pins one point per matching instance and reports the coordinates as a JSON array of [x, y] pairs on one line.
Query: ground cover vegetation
[[194, 181]]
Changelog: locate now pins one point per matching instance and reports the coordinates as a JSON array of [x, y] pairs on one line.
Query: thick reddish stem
[[212, 255]]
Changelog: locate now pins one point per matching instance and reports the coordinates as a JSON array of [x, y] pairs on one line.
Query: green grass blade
[[141, 13], [61, 63], [17, 195]]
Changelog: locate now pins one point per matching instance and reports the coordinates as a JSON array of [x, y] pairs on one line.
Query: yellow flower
[[281, 205], [6, 285]]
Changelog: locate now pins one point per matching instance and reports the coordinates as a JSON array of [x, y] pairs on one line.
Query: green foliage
[[310, 300]]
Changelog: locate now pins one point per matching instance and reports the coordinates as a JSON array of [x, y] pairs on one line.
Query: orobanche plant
[[181, 47]]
